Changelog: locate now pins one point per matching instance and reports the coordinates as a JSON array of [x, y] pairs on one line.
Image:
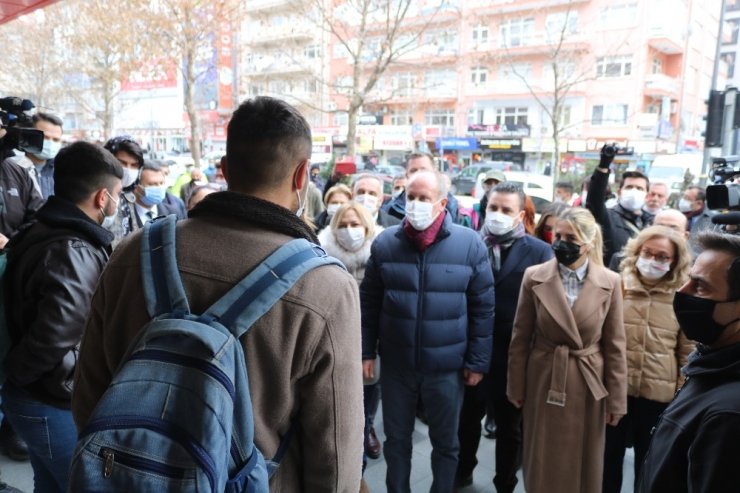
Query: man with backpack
[[303, 356], [53, 267]]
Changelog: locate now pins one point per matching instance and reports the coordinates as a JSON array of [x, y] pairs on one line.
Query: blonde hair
[[586, 230], [340, 188], [365, 218], [680, 265]]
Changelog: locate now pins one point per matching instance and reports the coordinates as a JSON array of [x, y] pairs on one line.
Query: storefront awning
[[10, 9]]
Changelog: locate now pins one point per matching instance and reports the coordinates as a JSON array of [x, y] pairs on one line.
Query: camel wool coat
[[569, 367]]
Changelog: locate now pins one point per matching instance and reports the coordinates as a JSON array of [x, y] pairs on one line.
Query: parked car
[[390, 170], [464, 183]]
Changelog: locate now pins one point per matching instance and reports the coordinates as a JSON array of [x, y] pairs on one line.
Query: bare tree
[[375, 35], [185, 31]]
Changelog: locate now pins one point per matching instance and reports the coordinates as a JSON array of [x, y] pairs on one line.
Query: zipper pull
[[108, 466]]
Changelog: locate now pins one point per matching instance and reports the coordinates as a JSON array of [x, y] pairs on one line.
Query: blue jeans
[[48, 431], [441, 394]]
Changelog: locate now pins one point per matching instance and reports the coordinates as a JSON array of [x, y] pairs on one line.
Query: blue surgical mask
[[50, 150], [152, 196]]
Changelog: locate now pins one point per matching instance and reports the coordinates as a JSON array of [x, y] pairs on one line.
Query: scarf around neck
[[255, 211], [496, 243], [424, 239]]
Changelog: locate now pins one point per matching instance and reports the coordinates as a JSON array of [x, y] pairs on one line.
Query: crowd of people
[[569, 338]]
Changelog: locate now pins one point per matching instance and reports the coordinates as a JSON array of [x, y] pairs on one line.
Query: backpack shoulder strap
[[163, 289], [267, 283]]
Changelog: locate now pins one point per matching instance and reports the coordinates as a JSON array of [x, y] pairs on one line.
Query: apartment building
[[480, 78]]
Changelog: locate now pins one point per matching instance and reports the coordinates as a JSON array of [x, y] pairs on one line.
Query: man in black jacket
[[53, 267], [625, 219], [696, 443]]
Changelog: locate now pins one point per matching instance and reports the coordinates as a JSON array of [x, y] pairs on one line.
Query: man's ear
[[443, 203], [225, 168], [99, 198], [300, 175]]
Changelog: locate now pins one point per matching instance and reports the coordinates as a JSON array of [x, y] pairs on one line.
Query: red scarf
[[424, 239]]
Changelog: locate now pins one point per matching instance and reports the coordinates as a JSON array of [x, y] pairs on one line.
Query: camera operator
[[625, 219], [41, 165], [19, 198]]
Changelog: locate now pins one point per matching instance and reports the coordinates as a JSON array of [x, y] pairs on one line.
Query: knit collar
[[255, 211]]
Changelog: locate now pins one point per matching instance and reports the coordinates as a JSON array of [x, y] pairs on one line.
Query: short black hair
[[47, 117], [126, 143], [266, 139], [730, 244], [508, 187], [634, 174], [565, 185], [82, 168], [701, 193], [152, 165]]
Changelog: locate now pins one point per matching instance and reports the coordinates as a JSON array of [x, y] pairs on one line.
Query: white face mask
[[419, 214], [498, 224], [685, 205], [332, 209], [302, 203], [49, 150], [129, 176], [109, 221], [396, 193], [652, 269], [351, 238], [632, 199], [370, 202]]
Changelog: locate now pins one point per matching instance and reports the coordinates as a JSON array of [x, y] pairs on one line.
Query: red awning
[[10, 9]]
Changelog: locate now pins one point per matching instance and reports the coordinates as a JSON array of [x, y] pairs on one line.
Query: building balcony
[[666, 38], [264, 6], [499, 7], [662, 85], [284, 66], [269, 35], [542, 44], [497, 88]]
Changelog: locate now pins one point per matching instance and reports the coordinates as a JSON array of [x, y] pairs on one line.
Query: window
[[516, 32], [478, 75], [561, 23], [401, 118], [475, 116], [732, 5], [730, 31], [729, 59], [444, 117], [256, 89], [440, 83], [343, 85], [609, 114], [276, 87], [341, 119], [441, 41], [480, 34], [618, 15], [657, 66], [614, 66], [512, 116], [515, 72], [311, 86], [312, 51], [403, 84], [565, 71]]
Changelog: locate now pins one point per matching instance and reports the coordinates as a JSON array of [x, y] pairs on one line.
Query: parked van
[[671, 169]]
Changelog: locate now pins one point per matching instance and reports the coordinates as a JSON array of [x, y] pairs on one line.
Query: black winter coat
[[432, 311], [53, 268], [695, 446], [19, 197]]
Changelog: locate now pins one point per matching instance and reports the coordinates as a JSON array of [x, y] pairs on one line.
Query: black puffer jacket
[[53, 268], [696, 444]]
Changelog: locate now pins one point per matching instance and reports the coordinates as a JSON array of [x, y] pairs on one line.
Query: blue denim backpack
[[177, 415]]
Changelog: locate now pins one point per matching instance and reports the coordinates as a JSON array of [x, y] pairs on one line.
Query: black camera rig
[[16, 127], [724, 194]]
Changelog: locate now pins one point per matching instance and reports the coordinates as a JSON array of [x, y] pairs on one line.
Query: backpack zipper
[[188, 361], [165, 428], [112, 457]]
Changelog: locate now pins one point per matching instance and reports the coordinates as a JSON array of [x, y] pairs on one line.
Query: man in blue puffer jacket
[[427, 308]]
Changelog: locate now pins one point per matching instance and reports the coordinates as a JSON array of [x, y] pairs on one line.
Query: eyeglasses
[[647, 255]]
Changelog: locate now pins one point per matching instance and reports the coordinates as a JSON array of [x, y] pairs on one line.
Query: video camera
[[723, 195], [611, 150], [18, 126]]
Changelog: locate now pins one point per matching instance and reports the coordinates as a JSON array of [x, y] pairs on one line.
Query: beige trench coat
[[569, 367]]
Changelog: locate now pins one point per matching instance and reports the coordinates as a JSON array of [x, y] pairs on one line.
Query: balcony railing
[[667, 38], [661, 85], [277, 34]]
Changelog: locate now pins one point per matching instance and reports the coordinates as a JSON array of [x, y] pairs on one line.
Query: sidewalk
[[20, 475]]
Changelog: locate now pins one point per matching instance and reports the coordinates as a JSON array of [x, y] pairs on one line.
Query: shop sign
[[501, 144]]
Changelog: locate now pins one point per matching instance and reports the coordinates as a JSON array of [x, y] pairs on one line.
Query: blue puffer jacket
[[432, 311]]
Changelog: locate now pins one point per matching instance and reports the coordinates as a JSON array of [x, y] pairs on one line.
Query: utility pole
[[715, 73]]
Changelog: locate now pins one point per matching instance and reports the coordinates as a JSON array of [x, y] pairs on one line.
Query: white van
[[671, 169]]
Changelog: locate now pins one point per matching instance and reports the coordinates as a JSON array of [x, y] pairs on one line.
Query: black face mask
[[566, 252], [696, 318]]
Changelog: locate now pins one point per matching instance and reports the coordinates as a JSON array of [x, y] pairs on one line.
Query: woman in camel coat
[[567, 360]]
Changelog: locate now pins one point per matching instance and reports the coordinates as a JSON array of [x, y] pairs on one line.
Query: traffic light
[[713, 137]]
